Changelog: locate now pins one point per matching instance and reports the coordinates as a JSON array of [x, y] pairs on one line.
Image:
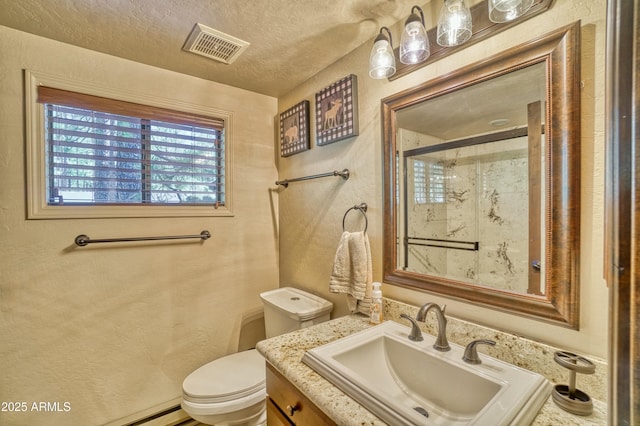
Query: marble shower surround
[[485, 200]]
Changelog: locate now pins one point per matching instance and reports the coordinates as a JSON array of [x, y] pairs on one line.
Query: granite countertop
[[285, 354]]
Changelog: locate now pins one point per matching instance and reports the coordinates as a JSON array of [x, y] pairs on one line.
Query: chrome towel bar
[[83, 240], [344, 174]]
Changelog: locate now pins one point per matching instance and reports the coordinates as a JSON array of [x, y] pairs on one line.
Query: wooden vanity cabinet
[[287, 406]]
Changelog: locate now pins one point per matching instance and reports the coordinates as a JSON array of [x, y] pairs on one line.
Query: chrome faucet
[[441, 344]]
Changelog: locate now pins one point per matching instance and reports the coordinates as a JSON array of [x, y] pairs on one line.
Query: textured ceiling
[[291, 40], [470, 111]]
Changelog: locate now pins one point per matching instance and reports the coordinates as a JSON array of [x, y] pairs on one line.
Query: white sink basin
[[410, 383]]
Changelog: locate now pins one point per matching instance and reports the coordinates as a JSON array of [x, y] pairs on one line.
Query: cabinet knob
[[292, 409]]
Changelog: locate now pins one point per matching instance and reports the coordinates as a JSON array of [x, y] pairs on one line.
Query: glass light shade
[[454, 24], [382, 63], [508, 10], [414, 44]]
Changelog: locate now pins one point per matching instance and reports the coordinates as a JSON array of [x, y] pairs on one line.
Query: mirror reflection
[[482, 181], [470, 166]]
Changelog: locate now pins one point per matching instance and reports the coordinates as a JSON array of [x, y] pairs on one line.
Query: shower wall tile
[[486, 189]]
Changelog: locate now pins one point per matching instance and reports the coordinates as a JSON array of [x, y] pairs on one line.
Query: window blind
[[419, 182], [428, 182], [110, 152]]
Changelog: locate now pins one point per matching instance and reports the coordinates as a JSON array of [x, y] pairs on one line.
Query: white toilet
[[231, 390]]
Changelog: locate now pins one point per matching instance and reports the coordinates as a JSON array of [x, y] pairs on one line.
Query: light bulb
[[414, 45], [382, 64], [454, 24], [507, 10]]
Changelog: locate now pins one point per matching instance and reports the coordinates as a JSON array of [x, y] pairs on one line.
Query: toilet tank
[[287, 309]]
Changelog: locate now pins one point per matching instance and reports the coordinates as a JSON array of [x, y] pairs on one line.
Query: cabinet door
[[274, 416], [292, 405]]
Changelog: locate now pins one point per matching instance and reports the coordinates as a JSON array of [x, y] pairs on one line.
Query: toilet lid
[[231, 377]]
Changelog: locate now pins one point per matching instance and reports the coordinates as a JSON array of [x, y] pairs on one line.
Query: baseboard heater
[[173, 416], [167, 414]]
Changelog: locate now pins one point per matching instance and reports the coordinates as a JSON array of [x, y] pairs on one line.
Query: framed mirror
[[482, 181]]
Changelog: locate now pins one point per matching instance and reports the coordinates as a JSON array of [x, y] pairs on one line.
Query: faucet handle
[[416, 333], [471, 353]]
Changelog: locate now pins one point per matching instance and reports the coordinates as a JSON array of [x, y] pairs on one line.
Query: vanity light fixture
[[508, 10], [382, 62], [414, 43], [454, 24]]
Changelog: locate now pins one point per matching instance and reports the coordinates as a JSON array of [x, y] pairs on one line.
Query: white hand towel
[[352, 270]]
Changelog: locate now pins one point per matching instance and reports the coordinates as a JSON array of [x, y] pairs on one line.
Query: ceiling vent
[[214, 44]]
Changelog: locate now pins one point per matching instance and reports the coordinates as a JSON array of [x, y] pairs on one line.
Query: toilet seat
[[227, 384], [252, 406]]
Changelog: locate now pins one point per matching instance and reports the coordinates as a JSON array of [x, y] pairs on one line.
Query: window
[[428, 182], [117, 158], [419, 182], [435, 172]]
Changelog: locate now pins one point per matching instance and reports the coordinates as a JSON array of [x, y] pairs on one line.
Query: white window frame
[[37, 206]]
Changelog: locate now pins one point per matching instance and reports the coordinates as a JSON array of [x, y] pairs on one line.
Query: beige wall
[[311, 212], [115, 329]]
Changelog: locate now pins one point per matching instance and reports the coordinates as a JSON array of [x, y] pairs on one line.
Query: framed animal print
[[337, 111], [294, 129]]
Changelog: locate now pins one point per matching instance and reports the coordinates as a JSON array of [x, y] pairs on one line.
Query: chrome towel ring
[[362, 208]]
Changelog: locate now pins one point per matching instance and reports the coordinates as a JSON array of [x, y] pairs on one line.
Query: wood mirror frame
[[560, 51]]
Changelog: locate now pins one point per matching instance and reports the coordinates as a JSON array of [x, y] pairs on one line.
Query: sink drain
[[421, 411]]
